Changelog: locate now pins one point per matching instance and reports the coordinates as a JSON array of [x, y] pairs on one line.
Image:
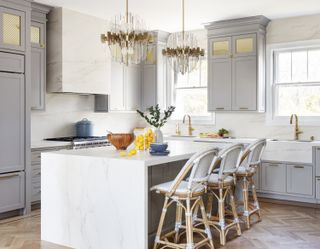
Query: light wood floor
[[283, 227]]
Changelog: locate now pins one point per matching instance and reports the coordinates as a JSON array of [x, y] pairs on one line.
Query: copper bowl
[[121, 140]]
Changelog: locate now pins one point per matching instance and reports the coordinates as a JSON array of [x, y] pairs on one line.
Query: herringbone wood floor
[[283, 227]]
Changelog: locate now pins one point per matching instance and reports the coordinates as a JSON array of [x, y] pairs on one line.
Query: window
[[296, 82], [189, 94]]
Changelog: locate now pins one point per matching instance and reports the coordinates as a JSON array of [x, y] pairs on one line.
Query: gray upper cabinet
[[154, 74], [236, 54], [12, 127], [38, 56], [125, 92], [12, 29], [220, 88]]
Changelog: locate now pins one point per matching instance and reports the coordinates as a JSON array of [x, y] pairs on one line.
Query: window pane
[[284, 68], [194, 77], [191, 101], [302, 100], [314, 65], [299, 66], [182, 80]]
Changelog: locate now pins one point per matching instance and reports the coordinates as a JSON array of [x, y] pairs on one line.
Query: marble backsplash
[[64, 110]]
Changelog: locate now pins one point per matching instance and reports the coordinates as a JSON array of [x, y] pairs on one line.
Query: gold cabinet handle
[[220, 108], [243, 108], [273, 165]]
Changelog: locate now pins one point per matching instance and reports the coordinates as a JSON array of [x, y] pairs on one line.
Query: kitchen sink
[[186, 136], [292, 140]]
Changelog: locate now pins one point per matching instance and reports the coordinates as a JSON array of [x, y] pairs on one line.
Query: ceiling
[[166, 14]]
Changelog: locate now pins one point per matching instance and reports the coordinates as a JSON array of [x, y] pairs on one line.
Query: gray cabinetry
[[300, 180], [317, 161], [12, 29], [318, 188], [38, 79], [12, 63], [220, 86], [12, 87], [38, 56], [273, 177], [244, 83], [236, 52], [12, 191]]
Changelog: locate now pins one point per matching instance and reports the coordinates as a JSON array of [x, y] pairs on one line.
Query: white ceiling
[[166, 14]]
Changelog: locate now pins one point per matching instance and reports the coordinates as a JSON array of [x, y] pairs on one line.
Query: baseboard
[[292, 203]]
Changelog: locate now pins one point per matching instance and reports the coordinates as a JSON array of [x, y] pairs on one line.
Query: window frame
[[200, 120], [272, 50]]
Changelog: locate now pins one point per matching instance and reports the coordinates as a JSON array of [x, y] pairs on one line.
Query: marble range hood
[[77, 62]]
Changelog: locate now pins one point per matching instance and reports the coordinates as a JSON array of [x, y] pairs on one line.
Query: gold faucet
[[190, 129], [297, 131]]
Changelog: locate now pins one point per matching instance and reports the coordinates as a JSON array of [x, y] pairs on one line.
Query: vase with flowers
[[154, 117]]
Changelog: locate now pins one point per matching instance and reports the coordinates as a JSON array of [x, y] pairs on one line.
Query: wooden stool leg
[[189, 225], [246, 202], [234, 211], [178, 222], [206, 223], [209, 205], [255, 198], [163, 215], [222, 217]]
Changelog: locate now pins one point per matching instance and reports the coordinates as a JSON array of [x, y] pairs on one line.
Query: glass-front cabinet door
[[220, 48], [37, 35], [12, 29], [244, 45]]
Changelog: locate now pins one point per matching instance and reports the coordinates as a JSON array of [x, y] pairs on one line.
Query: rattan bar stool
[[251, 159], [221, 185], [187, 195]]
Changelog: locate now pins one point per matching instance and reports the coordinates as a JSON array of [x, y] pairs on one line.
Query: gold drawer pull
[[299, 167], [220, 108], [274, 165], [243, 108]]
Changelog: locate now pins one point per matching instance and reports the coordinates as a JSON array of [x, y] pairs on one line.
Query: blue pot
[[84, 128]]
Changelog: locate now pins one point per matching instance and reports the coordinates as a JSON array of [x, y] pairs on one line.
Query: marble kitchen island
[[93, 198]]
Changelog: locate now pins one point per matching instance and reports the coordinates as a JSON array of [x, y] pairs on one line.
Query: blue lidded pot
[[84, 128]]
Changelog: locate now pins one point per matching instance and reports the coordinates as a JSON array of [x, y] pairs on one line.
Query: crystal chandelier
[[182, 50], [128, 39]]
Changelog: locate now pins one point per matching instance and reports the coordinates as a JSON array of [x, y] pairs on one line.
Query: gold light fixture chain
[[127, 11], [183, 21]]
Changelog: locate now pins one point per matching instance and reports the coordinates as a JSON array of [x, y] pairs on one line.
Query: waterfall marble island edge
[[110, 205]]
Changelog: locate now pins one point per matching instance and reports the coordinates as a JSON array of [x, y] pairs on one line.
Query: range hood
[[77, 62]]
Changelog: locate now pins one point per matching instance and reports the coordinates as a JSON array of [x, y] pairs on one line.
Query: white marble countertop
[[48, 144], [276, 150], [179, 150]]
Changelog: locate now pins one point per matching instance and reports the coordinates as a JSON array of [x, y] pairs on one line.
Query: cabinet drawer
[[299, 179], [273, 177], [11, 63], [318, 188], [35, 157], [11, 191]]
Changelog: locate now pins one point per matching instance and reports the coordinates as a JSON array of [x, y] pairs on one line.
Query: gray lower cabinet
[[38, 78], [300, 179], [11, 63], [12, 191], [273, 177], [12, 133], [318, 188]]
